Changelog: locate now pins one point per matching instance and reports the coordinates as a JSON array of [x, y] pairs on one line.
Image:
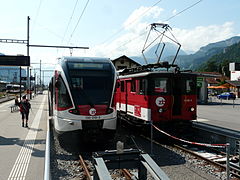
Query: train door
[[123, 96], [176, 93], [127, 91]]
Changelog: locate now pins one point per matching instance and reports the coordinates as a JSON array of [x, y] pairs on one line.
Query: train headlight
[[192, 109], [74, 111]]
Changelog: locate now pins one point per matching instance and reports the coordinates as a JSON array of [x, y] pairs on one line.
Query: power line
[[183, 10], [79, 20], [50, 31], [70, 20], [165, 20], [132, 39], [121, 29], [38, 10]]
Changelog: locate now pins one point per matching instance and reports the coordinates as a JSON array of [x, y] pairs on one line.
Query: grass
[[2, 94]]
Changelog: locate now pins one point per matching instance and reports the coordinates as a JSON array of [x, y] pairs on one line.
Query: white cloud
[[174, 12], [140, 15], [131, 43], [193, 39]]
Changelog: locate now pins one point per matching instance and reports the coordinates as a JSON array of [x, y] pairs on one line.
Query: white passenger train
[[81, 96], [14, 88]]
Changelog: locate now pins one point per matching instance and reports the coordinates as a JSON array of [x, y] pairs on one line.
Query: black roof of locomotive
[[84, 59]]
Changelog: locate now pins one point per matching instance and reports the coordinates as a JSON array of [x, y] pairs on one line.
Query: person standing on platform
[[25, 106], [17, 103]]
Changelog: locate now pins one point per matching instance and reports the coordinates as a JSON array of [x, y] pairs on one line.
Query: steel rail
[[223, 167], [126, 174], [200, 157], [85, 169]]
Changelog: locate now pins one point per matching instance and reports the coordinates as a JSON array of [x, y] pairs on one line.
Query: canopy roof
[[223, 86]]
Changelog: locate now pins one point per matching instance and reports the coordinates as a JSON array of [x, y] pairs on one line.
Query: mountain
[[191, 61], [220, 62], [169, 50]]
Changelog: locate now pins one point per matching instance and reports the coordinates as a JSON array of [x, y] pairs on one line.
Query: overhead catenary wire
[[132, 39], [80, 17], [183, 10], [50, 31], [70, 19], [164, 21], [121, 29], [37, 13]]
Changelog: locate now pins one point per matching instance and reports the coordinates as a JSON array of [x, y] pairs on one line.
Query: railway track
[[223, 161], [219, 161], [86, 170], [68, 166]]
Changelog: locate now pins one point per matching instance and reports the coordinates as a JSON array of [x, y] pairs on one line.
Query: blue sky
[[111, 28]]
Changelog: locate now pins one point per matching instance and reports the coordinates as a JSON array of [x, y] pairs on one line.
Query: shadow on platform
[[26, 143]]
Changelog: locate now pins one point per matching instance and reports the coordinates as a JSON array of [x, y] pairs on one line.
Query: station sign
[[199, 81], [234, 66], [14, 60]]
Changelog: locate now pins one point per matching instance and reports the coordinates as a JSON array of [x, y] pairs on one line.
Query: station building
[[124, 62], [11, 74]]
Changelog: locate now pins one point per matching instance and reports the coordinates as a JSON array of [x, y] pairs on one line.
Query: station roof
[[127, 58], [234, 83]]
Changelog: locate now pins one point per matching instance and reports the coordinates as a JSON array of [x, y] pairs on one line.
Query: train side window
[[160, 85], [133, 85], [122, 86], [142, 86], [64, 100]]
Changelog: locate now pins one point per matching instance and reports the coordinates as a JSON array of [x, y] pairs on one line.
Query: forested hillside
[[220, 62]]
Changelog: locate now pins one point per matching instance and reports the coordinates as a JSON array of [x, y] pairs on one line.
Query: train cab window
[[122, 86], [64, 100], [133, 85], [77, 83], [190, 87], [160, 85]]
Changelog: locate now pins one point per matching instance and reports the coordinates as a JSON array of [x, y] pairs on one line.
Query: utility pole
[[40, 76], [43, 81], [43, 76], [28, 54], [30, 84], [20, 74], [28, 78]]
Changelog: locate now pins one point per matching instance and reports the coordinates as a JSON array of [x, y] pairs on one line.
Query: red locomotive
[[158, 93], [157, 96]]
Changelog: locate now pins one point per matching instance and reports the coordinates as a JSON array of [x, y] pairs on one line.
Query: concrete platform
[[225, 113], [22, 150]]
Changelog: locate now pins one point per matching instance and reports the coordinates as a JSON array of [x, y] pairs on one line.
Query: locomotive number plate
[[93, 117]]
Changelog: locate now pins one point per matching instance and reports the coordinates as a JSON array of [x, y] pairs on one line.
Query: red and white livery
[[81, 95], [156, 96]]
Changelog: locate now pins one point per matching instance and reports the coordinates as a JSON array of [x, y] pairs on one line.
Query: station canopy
[[223, 86]]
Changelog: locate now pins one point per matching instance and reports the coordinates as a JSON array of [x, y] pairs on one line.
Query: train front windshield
[[172, 85], [91, 83]]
